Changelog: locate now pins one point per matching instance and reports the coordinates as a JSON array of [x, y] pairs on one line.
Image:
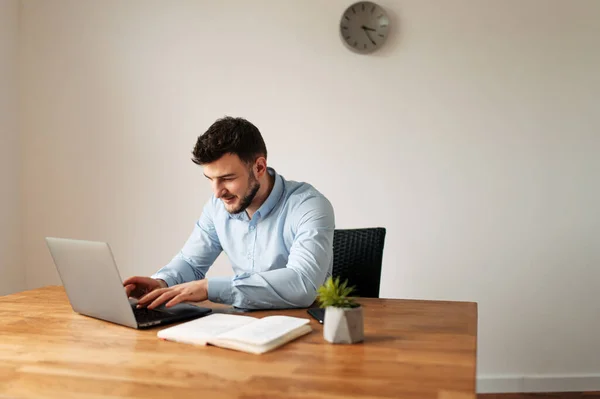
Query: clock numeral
[[363, 6], [345, 16], [365, 45], [353, 10], [344, 27], [355, 43], [347, 37], [383, 26], [372, 9], [380, 35]]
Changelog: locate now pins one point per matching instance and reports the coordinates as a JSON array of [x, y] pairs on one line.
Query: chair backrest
[[357, 256]]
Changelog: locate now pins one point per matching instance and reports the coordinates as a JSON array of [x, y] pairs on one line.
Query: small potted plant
[[343, 322]]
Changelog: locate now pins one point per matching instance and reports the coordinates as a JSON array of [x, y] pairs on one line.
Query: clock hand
[[367, 28], [367, 33]]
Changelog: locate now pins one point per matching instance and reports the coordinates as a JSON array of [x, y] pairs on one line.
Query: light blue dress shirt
[[280, 256]]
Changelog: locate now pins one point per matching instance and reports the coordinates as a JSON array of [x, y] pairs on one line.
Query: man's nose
[[218, 189]]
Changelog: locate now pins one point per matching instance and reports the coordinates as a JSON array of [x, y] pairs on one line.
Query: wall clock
[[364, 27]]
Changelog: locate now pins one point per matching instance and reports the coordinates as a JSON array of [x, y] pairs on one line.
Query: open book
[[242, 333]]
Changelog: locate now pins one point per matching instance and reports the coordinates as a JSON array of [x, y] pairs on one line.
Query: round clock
[[364, 27]]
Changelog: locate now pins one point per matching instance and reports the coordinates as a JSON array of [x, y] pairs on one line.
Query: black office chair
[[357, 256]]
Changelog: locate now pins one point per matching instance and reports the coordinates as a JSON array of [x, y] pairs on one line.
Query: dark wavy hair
[[229, 135]]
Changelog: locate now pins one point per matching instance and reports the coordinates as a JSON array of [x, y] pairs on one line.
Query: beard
[[249, 196]]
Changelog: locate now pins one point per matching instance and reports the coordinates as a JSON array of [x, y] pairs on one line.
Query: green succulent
[[336, 294]]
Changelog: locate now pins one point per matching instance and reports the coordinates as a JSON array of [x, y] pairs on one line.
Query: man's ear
[[260, 167]]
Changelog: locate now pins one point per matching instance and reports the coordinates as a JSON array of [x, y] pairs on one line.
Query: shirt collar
[[274, 197], [271, 201]]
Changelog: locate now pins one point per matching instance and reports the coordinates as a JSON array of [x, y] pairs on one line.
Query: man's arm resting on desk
[[282, 288]]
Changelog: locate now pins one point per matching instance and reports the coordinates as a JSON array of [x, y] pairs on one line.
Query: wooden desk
[[413, 349]]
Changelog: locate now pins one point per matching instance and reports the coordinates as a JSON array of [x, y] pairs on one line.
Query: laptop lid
[[91, 279]]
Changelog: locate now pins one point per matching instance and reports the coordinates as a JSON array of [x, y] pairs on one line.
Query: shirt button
[[252, 227]]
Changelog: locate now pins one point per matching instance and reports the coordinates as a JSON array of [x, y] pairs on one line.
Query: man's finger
[[163, 298], [151, 296], [178, 299], [129, 288]]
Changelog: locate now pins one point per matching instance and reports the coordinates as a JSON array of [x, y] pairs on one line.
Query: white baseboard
[[539, 383], [505, 384]]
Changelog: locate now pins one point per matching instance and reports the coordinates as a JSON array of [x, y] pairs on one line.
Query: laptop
[[94, 287]]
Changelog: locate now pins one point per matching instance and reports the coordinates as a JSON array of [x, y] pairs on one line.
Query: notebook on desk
[[242, 333]]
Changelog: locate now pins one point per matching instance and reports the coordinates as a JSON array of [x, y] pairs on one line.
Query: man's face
[[233, 182]]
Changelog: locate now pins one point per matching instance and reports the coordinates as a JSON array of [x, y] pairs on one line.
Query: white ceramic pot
[[343, 325]]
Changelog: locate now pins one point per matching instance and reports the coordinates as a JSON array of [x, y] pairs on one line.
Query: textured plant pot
[[343, 325]]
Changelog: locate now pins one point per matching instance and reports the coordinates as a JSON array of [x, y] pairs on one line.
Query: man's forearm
[[281, 288]]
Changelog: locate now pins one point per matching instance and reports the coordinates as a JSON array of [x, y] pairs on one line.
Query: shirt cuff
[[220, 290], [166, 278]]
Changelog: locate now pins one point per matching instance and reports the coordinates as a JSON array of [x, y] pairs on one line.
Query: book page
[[259, 349], [198, 331], [265, 330]]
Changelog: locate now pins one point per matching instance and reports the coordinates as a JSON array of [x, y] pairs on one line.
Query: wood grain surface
[[412, 349]]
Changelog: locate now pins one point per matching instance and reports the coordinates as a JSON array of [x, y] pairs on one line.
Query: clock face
[[364, 27]]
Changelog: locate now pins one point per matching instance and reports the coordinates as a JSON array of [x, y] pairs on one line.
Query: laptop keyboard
[[145, 315]]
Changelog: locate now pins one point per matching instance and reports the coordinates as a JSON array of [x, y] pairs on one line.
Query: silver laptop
[[94, 287]]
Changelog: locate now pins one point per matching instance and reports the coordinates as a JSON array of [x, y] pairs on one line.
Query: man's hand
[[138, 286], [194, 291]]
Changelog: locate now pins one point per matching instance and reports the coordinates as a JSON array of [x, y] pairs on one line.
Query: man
[[278, 234]]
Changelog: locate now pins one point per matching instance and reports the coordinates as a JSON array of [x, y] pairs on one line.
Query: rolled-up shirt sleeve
[[296, 284], [197, 255]]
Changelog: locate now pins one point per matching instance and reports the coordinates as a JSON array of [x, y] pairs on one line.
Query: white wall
[[12, 270], [473, 137]]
